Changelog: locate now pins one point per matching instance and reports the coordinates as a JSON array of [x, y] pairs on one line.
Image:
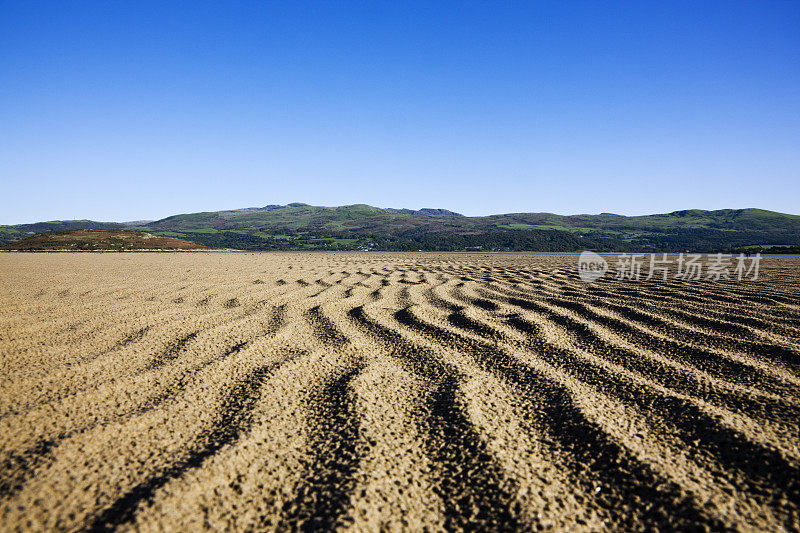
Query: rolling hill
[[300, 226], [100, 240]]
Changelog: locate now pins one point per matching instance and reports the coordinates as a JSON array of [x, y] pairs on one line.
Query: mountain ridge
[[363, 227]]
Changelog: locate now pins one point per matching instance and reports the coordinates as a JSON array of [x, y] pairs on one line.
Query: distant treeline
[[699, 240], [783, 250]]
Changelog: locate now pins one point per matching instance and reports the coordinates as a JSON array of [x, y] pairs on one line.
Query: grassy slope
[[301, 226], [100, 239], [21, 231]]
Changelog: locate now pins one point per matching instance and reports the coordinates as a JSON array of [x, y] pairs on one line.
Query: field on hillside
[[392, 391]]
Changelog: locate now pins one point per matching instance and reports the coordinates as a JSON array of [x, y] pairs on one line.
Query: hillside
[[300, 226], [304, 227], [21, 231], [100, 239]]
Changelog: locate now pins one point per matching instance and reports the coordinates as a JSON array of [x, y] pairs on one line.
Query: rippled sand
[[392, 391]]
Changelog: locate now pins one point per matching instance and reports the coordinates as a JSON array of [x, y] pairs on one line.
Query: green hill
[[82, 240], [21, 231], [305, 227]]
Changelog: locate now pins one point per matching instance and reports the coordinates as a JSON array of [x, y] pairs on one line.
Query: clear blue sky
[[131, 110]]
